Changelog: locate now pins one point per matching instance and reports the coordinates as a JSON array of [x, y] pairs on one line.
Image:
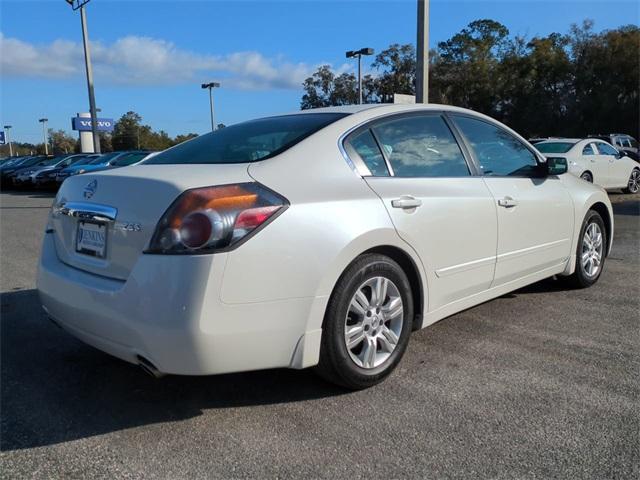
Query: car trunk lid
[[102, 222]]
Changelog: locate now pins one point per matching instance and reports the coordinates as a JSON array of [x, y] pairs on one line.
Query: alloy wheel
[[373, 323], [592, 249], [634, 181]]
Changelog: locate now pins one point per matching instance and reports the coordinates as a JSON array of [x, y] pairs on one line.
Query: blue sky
[[151, 56]]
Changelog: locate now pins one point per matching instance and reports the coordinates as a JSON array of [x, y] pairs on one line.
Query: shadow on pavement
[[56, 389], [630, 207]]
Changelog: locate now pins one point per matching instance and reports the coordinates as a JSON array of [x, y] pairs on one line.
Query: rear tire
[[633, 186], [367, 323], [591, 249], [587, 177]]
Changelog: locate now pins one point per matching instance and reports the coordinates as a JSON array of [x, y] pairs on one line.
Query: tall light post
[[44, 121], [79, 5], [211, 86], [359, 53], [8, 139], [422, 47]]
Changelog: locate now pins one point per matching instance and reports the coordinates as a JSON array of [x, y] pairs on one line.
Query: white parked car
[[320, 238], [595, 161]]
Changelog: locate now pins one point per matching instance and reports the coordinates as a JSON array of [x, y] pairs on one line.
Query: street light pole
[[358, 54], [92, 98], [211, 86], [8, 139], [44, 121], [422, 47]]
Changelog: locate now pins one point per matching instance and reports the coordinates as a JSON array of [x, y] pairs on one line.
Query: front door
[[535, 213]]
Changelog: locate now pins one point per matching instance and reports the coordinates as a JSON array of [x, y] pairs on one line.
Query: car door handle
[[406, 201], [507, 202]]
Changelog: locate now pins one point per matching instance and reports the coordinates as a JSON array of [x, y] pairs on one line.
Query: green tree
[[126, 132], [61, 142], [467, 66], [397, 67]]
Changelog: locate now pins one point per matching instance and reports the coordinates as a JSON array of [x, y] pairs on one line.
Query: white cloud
[[134, 60]]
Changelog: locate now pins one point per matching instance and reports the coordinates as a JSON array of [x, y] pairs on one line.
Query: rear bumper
[[169, 312]]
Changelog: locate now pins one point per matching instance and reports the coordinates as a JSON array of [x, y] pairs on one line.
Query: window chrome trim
[[86, 211], [360, 168]]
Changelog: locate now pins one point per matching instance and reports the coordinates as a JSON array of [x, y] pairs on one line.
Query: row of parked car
[[595, 160], [51, 171]]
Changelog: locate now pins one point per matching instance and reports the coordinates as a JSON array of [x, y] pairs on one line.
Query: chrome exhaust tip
[[149, 367]]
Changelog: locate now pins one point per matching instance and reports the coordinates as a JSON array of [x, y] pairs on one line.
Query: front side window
[[421, 146], [588, 149], [498, 152], [247, 142], [606, 149], [367, 149]]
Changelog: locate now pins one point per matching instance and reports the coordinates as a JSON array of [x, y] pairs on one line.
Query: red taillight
[[254, 217], [209, 219]]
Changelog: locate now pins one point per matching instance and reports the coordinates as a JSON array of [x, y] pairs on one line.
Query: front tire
[[633, 186], [367, 323], [590, 252]]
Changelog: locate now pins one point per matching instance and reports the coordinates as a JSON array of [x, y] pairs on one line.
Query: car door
[[436, 202], [617, 172], [594, 163], [535, 211]]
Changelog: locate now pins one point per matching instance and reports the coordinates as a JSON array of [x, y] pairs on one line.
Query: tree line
[[570, 84]]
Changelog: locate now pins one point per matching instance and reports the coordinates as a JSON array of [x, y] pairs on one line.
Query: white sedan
[[595, 161], [316, 239]]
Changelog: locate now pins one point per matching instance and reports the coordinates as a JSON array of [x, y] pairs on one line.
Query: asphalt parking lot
[[544, 382]]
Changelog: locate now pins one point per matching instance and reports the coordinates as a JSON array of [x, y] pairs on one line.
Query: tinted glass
[[249, 141], [554, 147], [634, 143], [129, 159], [588, 149], [366, 147], [606, 149], [421, 146], [498, 152]]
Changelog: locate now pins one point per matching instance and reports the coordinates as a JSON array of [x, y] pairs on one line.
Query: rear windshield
[[249, 141], [554, 147]]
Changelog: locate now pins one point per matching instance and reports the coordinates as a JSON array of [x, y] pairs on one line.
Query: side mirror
[[557, 165], [622, 153]]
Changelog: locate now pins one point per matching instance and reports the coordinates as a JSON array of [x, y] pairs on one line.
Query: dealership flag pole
[[92, 99], [422, 46]]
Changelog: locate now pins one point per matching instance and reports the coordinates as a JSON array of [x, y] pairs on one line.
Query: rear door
[[535, 213], [436, 202], [595, 163]]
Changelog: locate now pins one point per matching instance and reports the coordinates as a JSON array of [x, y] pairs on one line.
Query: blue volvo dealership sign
[[83, 124]]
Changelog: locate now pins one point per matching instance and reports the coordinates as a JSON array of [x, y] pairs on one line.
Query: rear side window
[[606, 149], [249, 141], [588, 149], [421, 146], [498, 152], [367, 149]]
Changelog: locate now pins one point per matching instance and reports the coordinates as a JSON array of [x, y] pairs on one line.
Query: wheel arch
[[603, 211], [410, 269]]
